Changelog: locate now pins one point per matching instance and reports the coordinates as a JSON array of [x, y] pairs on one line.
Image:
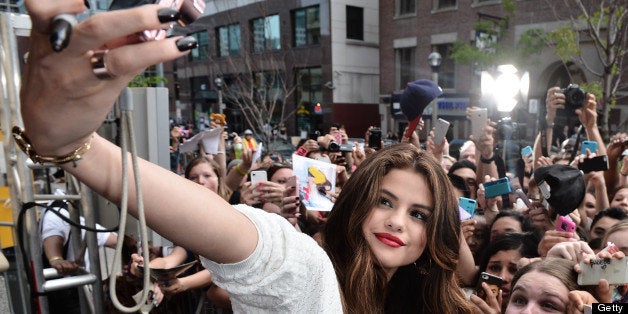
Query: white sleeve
[[287, 272], [52, 225]]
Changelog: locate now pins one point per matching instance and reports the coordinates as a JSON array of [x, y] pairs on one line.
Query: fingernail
[[187, 43], [168, 15], [87, 4], [61, 31]]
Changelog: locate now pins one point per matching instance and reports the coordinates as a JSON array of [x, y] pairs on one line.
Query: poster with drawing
[[315, 178]]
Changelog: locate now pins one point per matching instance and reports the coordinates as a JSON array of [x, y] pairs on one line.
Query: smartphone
[[375, 138], [479, 118], [494, 282], [468, 205], [564, 223], [442, 126], [258, 176], [190, 10], [291, 186], [527, 152], [613, 270], [597, 163], [524, 198], [496, 188], [591, 145]]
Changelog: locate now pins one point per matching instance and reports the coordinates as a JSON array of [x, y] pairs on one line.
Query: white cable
[[127, 132]]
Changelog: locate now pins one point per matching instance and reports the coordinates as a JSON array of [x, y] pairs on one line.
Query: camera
[[507, 129], [574, 96]]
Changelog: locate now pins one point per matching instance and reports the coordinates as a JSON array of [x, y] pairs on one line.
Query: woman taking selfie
[[398, 212]]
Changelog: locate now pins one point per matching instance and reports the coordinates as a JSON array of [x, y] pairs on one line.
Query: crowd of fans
[[396, 239]]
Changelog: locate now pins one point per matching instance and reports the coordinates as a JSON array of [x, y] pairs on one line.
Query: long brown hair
[[363, 282], [223, 189]]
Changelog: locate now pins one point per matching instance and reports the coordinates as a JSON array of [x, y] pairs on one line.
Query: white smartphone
[[479, 118], [440, 131], [258, 176]]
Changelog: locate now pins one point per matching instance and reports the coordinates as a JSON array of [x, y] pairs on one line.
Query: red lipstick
[[389, 239]]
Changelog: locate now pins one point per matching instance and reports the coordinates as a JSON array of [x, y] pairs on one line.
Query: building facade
[[301, 64], [410, 30]]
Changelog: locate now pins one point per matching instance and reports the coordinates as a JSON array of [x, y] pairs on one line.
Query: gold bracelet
[[24, 143], [54, 258], [240, 171]]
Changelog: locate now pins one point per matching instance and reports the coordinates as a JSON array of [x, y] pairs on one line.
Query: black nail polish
[[187, 43], [61, 31], [168, 15], [87, 4]]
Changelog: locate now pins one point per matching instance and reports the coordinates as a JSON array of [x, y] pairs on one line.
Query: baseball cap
[[248, 131], [561, 186], [415, 97]]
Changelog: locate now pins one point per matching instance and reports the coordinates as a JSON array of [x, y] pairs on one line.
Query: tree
[[257, 79], [605, 24], [602, 23]]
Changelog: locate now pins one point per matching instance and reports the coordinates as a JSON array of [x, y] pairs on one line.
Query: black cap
[[416, 96], [562, 186]]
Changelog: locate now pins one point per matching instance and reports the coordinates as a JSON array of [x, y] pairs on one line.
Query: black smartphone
[[375, 138], [190, 11], [597, 163], [494, 282]]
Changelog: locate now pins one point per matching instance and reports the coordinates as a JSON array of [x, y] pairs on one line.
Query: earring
[[424, 269]]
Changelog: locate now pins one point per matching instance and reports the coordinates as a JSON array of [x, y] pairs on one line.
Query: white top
[[287, 273], [52, 225]]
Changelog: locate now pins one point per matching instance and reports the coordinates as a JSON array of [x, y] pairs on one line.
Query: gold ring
[[97, 59]]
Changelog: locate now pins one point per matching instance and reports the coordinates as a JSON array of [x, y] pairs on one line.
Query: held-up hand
[[492, 304], [62, 86]]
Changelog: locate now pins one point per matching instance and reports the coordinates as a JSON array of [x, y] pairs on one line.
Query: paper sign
[[209, 140], [314, 177]]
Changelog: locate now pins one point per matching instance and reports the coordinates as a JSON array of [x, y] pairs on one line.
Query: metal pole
[[435, 101], [220, 105]]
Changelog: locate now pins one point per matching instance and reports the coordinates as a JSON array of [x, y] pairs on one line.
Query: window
[[202, 51], [229, 40], [266, 35], [405, 7], [355, 23], [444, 4], [405, 65], [307, 27], [11, 6], [447, 70], [308, 94], [269, 85]]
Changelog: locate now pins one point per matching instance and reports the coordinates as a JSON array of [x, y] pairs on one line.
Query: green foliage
[[594, 88], [532, 42], [566, 43], [147, 81]]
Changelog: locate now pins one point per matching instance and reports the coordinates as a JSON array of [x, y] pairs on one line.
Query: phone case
[[258, 176], [498, 187], [591, 145], [478, 118], [467, 204], [527, 151], [565, 223], [597, 163], [440, 131], [613, 270], [494, 282], [375, 138]]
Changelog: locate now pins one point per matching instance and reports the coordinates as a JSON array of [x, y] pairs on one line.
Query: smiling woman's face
[[395, 229]]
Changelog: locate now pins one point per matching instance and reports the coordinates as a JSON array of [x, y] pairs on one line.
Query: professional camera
[[507, 129], [574, 96]]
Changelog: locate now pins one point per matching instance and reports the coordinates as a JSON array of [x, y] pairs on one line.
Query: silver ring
[[97, 59]]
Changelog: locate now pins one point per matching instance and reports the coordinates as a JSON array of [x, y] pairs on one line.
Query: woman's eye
[[518, 300], [418, 215], [550, 305], [385, 202], [495, 268]]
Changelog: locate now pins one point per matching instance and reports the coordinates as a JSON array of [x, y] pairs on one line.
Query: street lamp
[[218, 82], [434, 60]]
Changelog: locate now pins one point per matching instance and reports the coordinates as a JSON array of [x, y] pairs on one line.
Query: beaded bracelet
[[24, 143]]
